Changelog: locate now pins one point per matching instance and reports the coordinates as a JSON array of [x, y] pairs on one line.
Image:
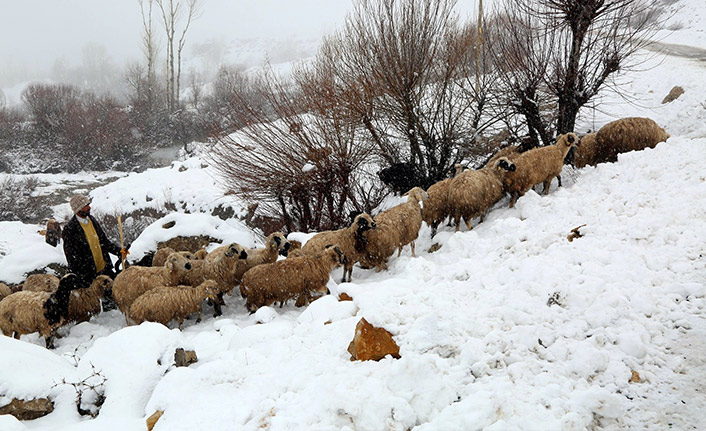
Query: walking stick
[[123, 252]]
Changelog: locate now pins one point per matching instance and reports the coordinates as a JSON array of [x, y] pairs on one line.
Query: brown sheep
[[297, 277], [396, 227], [220, 266], [472, 193], [539, 165], [4, 290], [41, 283], [351, 240], [160, 256], [28, 312], [84, 303], [275, 245], [436, 207], [617, 137], [136, 280], [166, 303]]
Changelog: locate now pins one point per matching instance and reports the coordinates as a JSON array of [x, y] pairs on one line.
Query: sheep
[[472, 193], [160, 256], [351, 240], [221, 266], [539, 165], [275, 245], [400, 177], [436, 207], [41, 283], [27, 312], [136, 280], [4, 290], [396, 227], [166, 303], [84, 302], [296, 277], [616, 137]]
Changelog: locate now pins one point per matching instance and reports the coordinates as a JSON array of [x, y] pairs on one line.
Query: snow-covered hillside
[[508, 326]]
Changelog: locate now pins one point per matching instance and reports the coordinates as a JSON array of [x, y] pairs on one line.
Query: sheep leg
[[49, 339], [558, 178], [217, 305], [547, 183], [513, 198], [411, 245], [16, 335], [468, 223], [198, 319], [433, 229]]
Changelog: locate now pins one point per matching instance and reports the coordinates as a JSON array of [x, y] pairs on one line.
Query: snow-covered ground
[[506, 327]]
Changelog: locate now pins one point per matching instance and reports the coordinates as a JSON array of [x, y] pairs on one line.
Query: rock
[[635, 377], [434, 247], [344, 297], [28, 410], [152, 420], [184, 358], [373, 343], [674, 94]]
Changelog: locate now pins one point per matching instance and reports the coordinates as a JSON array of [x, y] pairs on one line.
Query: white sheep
[[166, 303], [28, 312], [351, 240], [539, 165], [396, 227], [160, 256], [136, 280], [41, 283], [4, 290], [616, 137], [436, 206], [473, 193], [296, 277]]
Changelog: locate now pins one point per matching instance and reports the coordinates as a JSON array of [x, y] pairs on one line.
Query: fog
[[91, 42]]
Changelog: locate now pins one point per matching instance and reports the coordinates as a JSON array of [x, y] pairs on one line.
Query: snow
[[508, 326]]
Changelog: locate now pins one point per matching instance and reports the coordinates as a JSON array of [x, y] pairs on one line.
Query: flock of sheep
[[179, 282]]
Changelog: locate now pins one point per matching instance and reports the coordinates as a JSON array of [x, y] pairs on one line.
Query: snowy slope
[[482, 345]]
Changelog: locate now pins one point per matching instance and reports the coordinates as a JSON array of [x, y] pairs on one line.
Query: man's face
[[84, 212]]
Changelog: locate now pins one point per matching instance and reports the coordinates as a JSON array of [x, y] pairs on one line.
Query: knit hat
[[79, 201]]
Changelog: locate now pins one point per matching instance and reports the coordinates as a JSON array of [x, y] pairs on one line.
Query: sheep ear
[[570, 138], [278, 241], [243, 254], [169, 265]]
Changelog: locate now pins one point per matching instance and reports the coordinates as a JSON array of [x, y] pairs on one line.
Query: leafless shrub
[[18, 201], [300, 168], [90, 392]]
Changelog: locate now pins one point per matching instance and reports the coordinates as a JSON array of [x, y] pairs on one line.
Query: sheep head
[[567, 140], [277, 241], [235, 249], [176, 262], [210, 288], [504, 163], [104, 283], [418, 194], [336, 254]]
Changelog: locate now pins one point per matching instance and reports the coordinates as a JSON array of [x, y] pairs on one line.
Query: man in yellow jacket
[[86, 246]]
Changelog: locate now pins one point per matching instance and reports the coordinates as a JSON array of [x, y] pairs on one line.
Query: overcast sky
[[37, 34]]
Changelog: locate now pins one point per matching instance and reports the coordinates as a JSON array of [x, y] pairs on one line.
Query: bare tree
[[587, 42], [400, 65], [176, 18], [303, 168], [149, 48]]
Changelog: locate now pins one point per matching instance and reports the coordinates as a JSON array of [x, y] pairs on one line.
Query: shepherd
[[87, 247]]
